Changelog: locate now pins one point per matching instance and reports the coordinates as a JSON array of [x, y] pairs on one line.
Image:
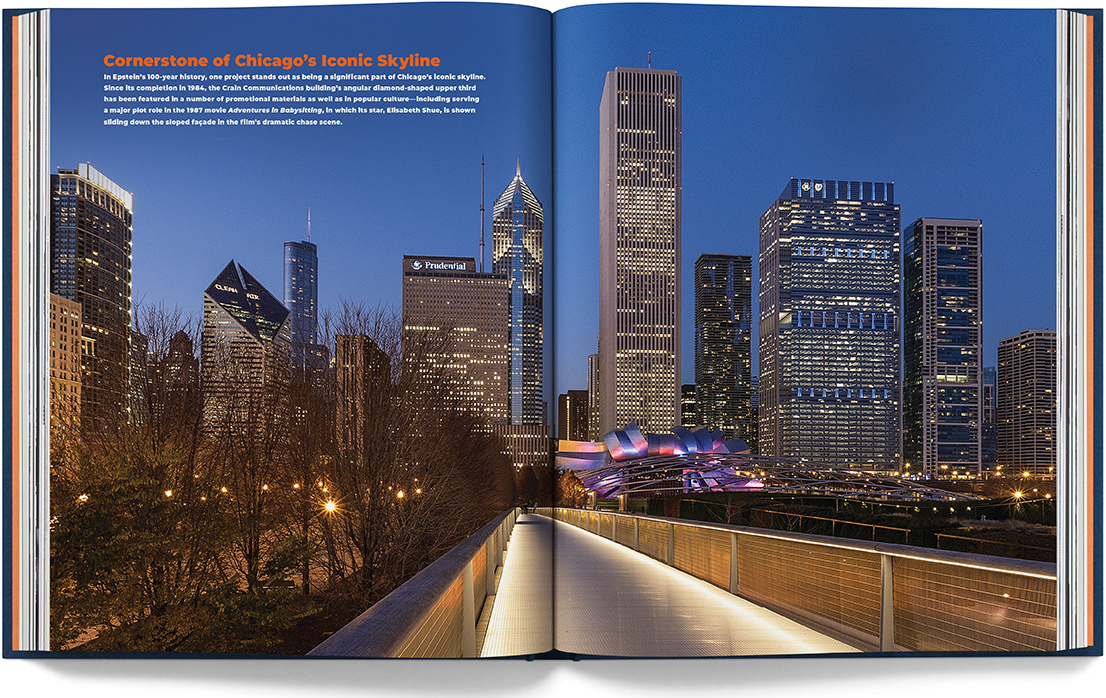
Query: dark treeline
[[218, 520]]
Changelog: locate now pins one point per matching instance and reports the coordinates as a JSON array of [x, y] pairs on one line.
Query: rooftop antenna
[[650, 60], [309, 224], [481, 214]]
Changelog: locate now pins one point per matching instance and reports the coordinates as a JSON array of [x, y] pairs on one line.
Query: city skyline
[[774, 93], [175, 223], [207, 195], [427, 436]]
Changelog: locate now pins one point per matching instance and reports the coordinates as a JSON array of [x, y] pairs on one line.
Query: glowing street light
[[330, 506]]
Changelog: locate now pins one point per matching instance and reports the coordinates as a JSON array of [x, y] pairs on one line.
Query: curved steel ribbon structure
[[629, 461]]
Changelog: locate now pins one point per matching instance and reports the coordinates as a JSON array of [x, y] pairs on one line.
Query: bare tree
[[415, 468]]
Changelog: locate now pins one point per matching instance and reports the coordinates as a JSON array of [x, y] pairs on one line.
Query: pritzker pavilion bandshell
[[628, 462]]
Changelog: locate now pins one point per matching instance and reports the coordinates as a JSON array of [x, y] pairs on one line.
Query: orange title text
[[259, 60]]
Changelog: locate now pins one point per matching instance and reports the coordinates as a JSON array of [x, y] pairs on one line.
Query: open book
[[626, 330]]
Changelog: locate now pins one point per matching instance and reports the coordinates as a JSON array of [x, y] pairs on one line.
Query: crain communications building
[[639, 249], [829, 332], [244, 348]]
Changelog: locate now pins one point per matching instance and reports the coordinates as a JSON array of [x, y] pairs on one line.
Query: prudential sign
[[436, 265]]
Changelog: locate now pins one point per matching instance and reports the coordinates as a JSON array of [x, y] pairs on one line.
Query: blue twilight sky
[[956, 107], [378, 187]]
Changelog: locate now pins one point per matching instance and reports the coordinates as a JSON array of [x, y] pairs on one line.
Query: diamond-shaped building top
[[248, 302]]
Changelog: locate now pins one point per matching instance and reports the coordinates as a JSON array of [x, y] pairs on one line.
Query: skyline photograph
[[768, 300], [937, 123], [378, 187], [952, 106]]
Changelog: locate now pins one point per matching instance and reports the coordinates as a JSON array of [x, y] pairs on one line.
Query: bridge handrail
[[1033, 568], [881, 596], [392, 625]]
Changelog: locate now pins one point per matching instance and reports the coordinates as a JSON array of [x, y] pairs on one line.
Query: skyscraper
[[689, 407], [301, 297], [723, 343], [829, 333], [301, 290], [90, 263], [943, 346], [362, 370], [639, 249], [174, 378], [754, 409], [244, 346], [138, 403], [517, 253], [989, 443], [572, 415], [65, 362], [1025, 404], [448, 294], [593, 398]]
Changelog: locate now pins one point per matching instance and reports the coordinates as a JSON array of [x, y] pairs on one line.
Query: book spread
[[476, 330]]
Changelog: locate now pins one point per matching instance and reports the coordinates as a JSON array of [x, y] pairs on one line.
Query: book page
[[852, 324], [286, 248]]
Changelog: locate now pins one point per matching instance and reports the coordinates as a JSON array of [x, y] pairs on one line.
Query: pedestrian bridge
[[594, 583]]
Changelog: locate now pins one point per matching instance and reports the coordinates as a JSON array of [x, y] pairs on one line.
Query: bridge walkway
[[583, 594]]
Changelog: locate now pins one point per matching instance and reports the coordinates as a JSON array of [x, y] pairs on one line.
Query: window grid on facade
[[829, 313], [943, 346], [639, 274]]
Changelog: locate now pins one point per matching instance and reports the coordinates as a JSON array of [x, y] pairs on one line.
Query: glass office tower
[[943, 347], [301, 290], [517, 253], [723, 344], [301, 296], [829, 324], [90, 264], [639, 249]]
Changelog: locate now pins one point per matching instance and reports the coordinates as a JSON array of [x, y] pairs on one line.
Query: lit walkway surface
[[522, 614], [615, 602]]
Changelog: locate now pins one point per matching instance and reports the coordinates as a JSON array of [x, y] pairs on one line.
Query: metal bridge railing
[[880, 596], [434, 613]]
